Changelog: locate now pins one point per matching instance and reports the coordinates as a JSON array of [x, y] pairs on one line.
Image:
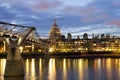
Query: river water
[[67, 69]]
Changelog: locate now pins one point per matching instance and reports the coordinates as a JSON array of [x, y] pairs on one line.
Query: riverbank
[[38, 55], [71, 56]]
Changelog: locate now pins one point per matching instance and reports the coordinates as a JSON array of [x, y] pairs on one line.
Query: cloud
[[93, 8], [46, 5], [72, 14], [35, 5], [19, 22], [10, 1], [34, 17], [6, 5], [102, 17], [116, 3], [82, 11], [113, 22], [76, 2]]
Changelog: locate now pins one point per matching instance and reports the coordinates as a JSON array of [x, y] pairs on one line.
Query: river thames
[[67, 69]]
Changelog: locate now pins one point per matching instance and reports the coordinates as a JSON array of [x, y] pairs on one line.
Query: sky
[[73, 16]]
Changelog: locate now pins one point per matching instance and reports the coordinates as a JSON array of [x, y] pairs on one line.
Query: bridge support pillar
[[4, 45], [14, 65]]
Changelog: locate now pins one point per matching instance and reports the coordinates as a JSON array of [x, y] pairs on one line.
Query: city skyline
[[75, 17]]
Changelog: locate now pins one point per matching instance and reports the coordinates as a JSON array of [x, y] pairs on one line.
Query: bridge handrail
[[17, 25]]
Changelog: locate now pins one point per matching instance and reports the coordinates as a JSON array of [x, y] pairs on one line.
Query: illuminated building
[[103, 42], [70, 45], [106, 43], [55, 35]]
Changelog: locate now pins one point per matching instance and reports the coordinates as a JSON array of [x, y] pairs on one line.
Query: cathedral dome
[[55, 29]]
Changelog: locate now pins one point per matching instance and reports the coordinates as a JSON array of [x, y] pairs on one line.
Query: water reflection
[[1, 77], [80, 68], [108, 68], [2, 66], [27, 67], [52, 70], [13, 78], [30, 67], [119, 67], [40, 69], [67, 69], [64, 70]]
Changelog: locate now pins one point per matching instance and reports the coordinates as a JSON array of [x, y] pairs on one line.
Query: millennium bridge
[[13, 38]]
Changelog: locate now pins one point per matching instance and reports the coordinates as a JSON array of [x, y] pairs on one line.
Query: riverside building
[[103, 42]]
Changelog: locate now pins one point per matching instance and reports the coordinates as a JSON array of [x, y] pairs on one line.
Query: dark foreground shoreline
[[65, 55]]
